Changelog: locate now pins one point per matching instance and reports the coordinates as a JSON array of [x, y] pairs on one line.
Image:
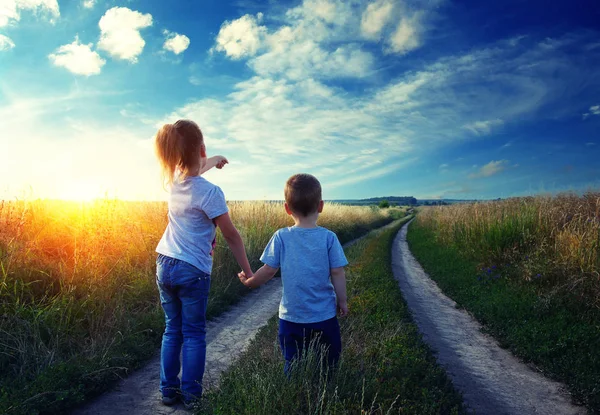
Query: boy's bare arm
[[264, 274], [214, 161], [338, 279]]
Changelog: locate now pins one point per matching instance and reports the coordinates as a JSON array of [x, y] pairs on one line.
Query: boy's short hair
[[303, 194]]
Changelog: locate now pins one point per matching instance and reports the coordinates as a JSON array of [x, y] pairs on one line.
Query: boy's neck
[[309, 221]]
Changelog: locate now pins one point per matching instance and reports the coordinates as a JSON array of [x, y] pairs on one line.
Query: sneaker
[[191, 404], [195, 404], [170, 400]]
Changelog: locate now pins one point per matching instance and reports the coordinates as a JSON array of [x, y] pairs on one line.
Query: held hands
[[244, 279], [342, 308]]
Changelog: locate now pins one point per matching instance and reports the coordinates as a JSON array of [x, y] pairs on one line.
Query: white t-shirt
[[190, 234]]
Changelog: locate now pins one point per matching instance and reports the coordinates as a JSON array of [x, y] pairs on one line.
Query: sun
[[80, 190]]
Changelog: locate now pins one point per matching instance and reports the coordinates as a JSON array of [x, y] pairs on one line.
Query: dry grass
[[551, 239], [77, 279]]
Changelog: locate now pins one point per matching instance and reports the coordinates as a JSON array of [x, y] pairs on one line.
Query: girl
[[184, 263]]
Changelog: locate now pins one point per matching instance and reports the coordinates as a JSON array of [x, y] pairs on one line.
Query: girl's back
[[193, 203]]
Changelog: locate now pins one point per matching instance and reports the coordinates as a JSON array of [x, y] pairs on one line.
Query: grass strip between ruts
[[385, 366], [558, 336]]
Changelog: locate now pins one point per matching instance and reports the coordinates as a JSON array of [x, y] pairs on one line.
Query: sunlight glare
[[81, 190]]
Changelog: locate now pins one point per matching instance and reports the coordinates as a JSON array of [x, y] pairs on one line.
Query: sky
[[433, 99]]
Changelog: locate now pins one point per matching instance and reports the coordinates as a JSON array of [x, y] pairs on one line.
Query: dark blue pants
[[295, 338]]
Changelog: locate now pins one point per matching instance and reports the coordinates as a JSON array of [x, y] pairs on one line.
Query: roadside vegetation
[[78, 301], [385, 367], [528, 269]]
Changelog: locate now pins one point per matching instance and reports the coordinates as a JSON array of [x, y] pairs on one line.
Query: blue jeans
[[183, 292], [295, 339]]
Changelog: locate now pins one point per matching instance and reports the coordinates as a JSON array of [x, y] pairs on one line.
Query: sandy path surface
[[226, 338], [490, 378]]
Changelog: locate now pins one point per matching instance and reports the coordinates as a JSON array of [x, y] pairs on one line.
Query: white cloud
[[594, 110], [375, 17], [120, 33], [89, 4], [483, 127], [175, 42], [407, 35], [8, 13], [6, 43], [308, 59], [194, 80], [490, 169], [353, 177], [326, 22], [329, 11], [323, 9], [314, 40], [241, 37], [444, 168], [78, 58], [400, 93], [10, 10]]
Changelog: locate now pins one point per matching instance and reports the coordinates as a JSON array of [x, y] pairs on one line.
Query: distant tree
[[384, 204]]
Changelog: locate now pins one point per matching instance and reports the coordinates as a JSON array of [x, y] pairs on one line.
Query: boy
[[307, 255]]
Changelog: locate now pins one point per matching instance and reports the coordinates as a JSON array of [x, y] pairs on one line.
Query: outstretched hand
[[221, 162]]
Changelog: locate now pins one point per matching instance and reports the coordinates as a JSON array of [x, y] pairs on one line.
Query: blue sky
[[432, 98]]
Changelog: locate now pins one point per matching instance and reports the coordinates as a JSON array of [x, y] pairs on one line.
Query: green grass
[[385, 367], [557, 333], [78, 302]]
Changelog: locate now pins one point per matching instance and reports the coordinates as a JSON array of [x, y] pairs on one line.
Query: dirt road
[[490, 378]]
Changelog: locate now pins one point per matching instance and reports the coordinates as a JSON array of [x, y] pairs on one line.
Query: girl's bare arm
[[214, 161], [234, 240]]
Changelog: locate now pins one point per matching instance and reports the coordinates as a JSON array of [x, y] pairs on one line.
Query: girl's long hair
[[178, 147]]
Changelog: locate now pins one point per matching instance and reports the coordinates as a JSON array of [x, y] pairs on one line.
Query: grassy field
[[528, 269], [78, 300], [385, 367]]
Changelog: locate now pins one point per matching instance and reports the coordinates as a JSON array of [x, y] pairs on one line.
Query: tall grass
[[553, 240], [78, 300]]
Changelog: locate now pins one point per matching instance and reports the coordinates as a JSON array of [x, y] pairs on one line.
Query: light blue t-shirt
[[190, 234], [305, 256]]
